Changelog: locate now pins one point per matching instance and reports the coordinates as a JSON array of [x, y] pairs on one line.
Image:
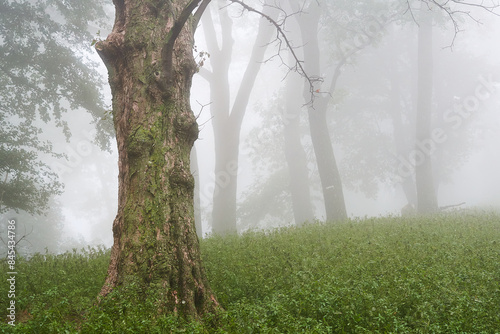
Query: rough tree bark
[[426, 193], [150, 63], [197, 195]]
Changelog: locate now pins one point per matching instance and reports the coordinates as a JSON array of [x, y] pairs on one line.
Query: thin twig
[[282, 38]]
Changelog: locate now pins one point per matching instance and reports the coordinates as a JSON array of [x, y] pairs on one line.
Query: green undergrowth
[[437, 274]]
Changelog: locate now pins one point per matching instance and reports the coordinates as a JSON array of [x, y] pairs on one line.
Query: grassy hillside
[[421, 275]]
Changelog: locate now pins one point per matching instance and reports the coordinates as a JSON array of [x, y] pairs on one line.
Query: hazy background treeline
[[269, 154]]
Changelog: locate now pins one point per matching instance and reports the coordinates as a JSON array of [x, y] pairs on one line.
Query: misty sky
[[476, 182]]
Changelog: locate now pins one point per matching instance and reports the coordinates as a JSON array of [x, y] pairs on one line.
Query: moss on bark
[[155, 243]]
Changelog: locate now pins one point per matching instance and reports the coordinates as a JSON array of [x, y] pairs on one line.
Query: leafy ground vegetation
[[437, 274]]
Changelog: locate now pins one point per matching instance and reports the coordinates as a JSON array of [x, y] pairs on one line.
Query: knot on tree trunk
[[110, 48]]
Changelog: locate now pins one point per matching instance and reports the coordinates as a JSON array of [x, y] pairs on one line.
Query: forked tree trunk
[[227, 120], [150, 63], [226, 134], [331, 184]]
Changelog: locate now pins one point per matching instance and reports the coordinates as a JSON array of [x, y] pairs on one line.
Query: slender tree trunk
[[295, 155], [227, 120], [226, 138], [226, 180], [327, 166], [401, 137], [426, 193], [320, 134], [149, 59]]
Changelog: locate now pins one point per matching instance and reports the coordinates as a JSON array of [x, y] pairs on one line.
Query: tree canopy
[[45, 71]]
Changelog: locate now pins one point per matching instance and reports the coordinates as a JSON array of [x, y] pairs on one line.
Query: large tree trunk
[[426, 193], [320, 134], [227, 120], [149, 59]]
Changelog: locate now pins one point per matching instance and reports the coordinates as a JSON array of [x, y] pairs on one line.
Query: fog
[[376, 86], [473, 180]]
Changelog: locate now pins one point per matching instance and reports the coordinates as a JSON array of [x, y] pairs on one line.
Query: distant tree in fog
[[331, 182], [372, 113], [295, 154], [327, 32], [43, 73], [26, 182], [376, 124], [269, 200], [426, 192], [227, 117], [332, 34], [37, 233]]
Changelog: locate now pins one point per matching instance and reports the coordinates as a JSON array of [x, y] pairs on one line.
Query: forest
[[259, 166]]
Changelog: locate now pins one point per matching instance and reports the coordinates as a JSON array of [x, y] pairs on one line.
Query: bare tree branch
[[176, 30], [454, 8], [281, 39]]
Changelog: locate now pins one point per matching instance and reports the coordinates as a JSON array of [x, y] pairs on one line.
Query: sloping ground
[[420, 275], [437, 274]]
